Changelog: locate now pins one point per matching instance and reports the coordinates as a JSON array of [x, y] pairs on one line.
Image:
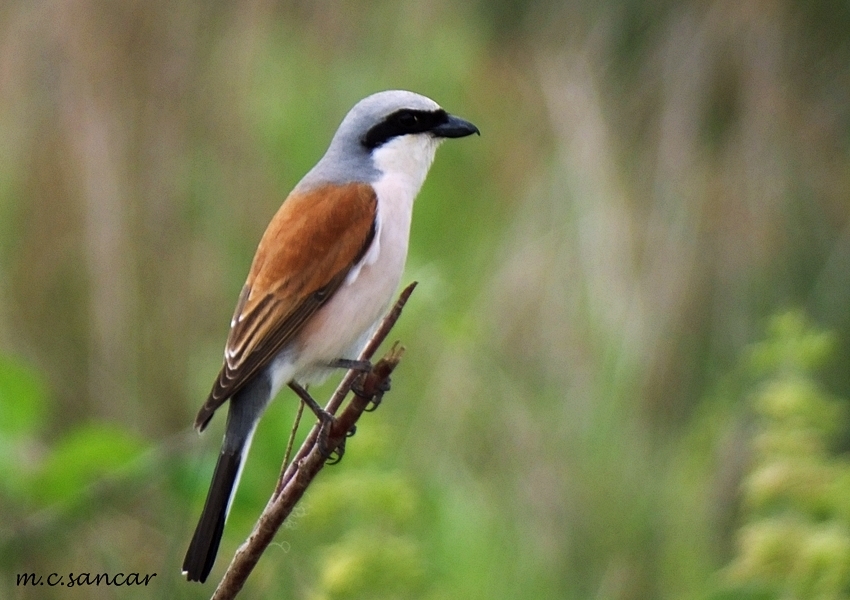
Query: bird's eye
[[407, 119]]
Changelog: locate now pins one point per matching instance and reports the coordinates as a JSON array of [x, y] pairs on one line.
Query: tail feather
[[204, 546], [243, 414]]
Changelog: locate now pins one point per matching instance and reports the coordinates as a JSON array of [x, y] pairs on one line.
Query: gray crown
[[347, 159]]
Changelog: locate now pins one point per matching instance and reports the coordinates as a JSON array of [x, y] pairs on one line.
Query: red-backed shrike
[[323, 276]]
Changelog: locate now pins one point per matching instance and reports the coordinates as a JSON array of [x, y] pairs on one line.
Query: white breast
[[341, 327]]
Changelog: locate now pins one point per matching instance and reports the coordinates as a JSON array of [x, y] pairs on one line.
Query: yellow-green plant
[[794, 540]]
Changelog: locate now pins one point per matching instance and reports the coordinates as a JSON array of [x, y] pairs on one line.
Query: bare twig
[[309, 460], [291, 440]]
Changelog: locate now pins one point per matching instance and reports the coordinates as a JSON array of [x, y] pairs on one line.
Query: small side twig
[[309, 460], [292, 433]]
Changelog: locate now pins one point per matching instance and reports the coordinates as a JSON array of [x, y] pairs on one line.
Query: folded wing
[[309, 247]]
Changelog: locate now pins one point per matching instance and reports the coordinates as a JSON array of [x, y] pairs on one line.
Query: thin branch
[[291, 441], [309, 460]]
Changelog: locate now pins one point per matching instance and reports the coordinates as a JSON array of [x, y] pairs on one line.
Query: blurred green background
[[627, 369]]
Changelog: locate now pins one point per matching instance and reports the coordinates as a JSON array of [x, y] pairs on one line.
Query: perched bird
[[324, 274]]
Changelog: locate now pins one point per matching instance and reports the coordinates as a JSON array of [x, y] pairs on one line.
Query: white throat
[[405, 161]]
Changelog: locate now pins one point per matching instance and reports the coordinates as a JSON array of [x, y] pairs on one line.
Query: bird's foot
[[336, 455], [374, 399], [327, 422]]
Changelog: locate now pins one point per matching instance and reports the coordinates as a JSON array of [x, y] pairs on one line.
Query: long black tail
[[204, 546], [244, 413]]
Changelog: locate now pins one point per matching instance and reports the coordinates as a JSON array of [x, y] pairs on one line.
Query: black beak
[[455, 127]]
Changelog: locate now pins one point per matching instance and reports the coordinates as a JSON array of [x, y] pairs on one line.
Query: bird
[[324, 273]]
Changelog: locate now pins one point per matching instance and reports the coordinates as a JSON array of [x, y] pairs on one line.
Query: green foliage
[[83, 457], [364, 519], [792, 346], [794, 541], [371, 563], [23, 402], [35, 474], [23, 398]]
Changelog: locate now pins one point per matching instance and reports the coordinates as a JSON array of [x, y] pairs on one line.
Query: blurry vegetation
[[794, 541], [655, 181]]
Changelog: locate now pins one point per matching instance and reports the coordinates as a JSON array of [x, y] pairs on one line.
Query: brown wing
[[304, 256]]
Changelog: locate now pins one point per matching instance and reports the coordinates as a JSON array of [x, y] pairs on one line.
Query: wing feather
[[309, 247]]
